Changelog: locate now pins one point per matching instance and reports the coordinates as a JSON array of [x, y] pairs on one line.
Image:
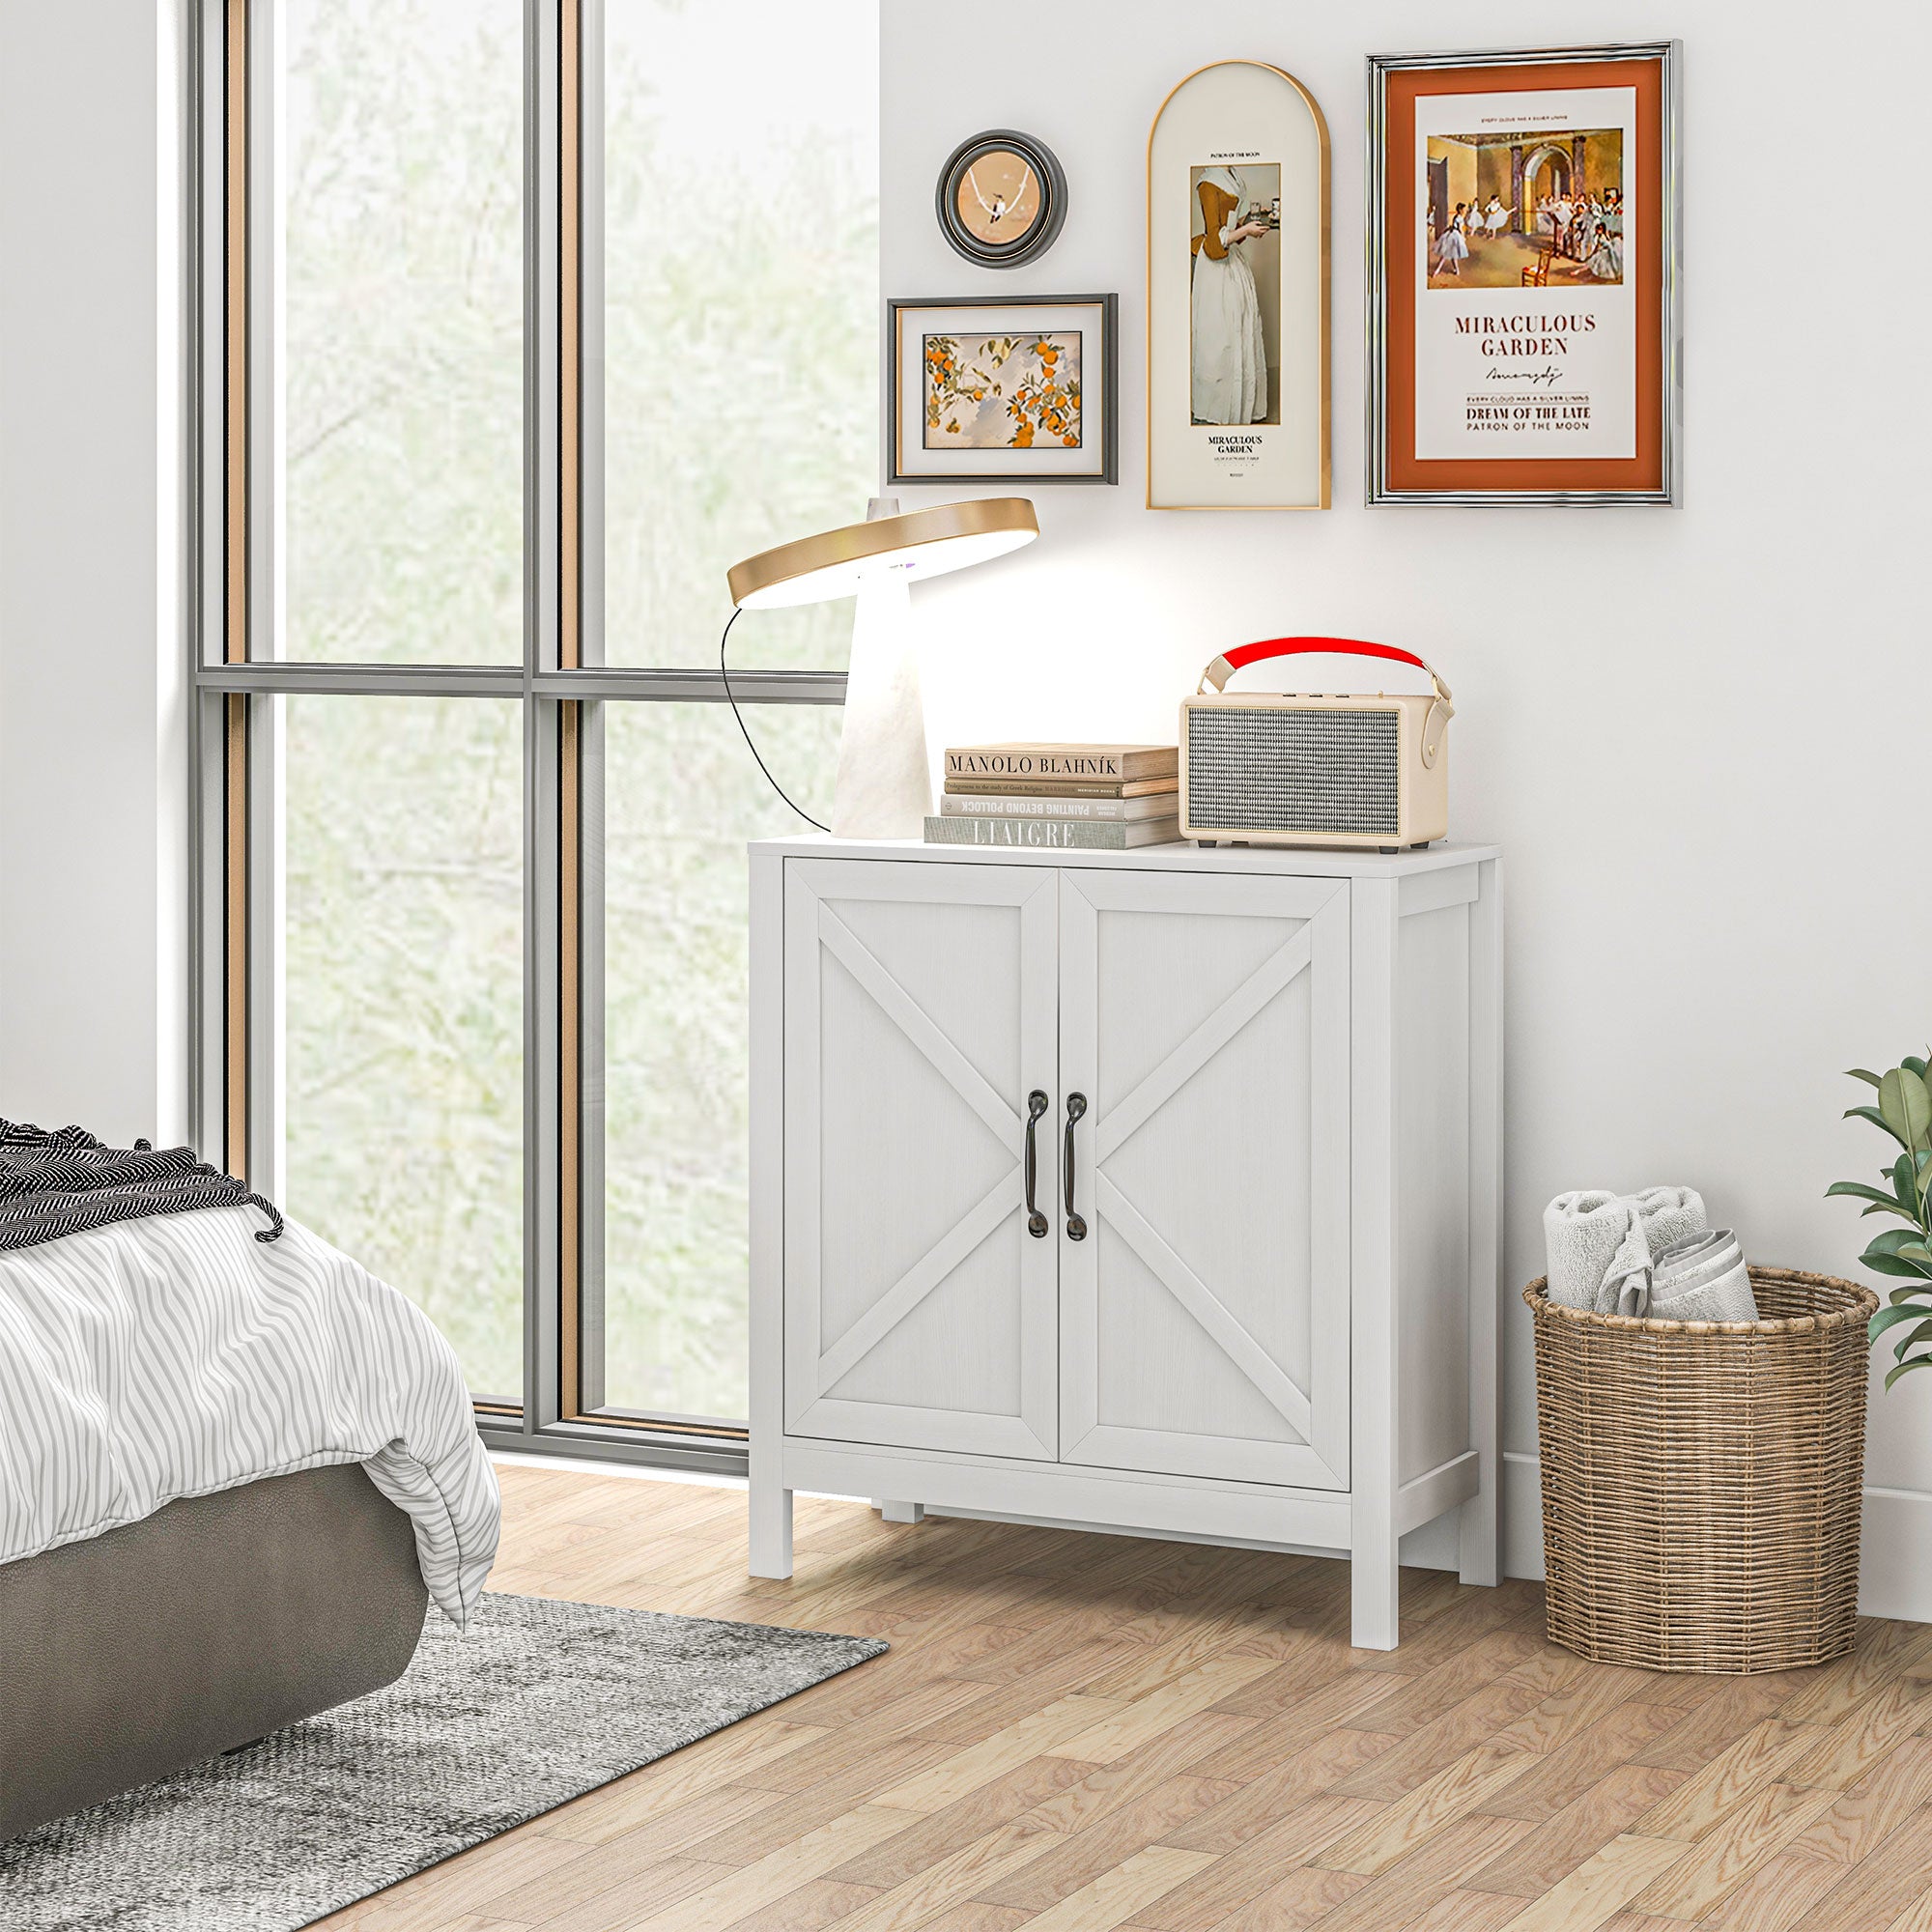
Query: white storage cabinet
[[1147, 1192]]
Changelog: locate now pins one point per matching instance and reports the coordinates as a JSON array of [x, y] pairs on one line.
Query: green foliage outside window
[[739, 393]]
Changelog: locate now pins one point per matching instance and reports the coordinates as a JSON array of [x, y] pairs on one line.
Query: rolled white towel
[[1599, 1246], [1702, 1280]]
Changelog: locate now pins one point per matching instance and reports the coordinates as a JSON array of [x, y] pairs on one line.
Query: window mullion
[[587, 1316], [551, 1121]]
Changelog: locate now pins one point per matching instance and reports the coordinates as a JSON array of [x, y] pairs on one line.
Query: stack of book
[[1094, 798]]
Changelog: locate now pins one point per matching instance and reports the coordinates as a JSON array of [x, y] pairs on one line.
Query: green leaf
[[1892, 1239], [1916, 1362], [1890, 1208], [1890, 1317], [1898, 1295], [1899, 1251], [1872, 1114], [1916, 1065], [1891, 1264], [1921, 1333], [1861, 1073], [1906, 1107], [1863, 1190], [1905, 1184]]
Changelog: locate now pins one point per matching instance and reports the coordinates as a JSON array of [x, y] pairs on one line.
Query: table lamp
[[884, 787]]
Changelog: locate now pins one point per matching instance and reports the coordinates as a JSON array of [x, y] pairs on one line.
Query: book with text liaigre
[[1067, 835]]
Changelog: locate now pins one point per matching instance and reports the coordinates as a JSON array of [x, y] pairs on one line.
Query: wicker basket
[[1702, 1480]]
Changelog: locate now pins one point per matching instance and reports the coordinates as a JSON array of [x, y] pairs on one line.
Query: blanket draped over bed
[[177, 1354], [55, 1183]]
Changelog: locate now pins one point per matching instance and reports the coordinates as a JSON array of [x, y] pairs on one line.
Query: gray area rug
[[540, 1702]]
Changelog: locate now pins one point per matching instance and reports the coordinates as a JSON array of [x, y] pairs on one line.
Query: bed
[[234, 1473]]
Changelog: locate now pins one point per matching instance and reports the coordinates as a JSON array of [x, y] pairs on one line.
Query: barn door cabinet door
[[919, 1310], [1204, 1308]]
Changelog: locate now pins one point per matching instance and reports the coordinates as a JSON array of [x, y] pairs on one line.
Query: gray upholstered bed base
[[205, 1626]]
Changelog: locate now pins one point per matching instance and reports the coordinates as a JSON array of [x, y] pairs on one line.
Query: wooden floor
[[1073, 1733]]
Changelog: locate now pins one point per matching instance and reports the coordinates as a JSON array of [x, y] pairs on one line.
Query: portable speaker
[[1298, 769]]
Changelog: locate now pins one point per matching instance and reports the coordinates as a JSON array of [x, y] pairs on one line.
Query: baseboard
[[1895, 1574]]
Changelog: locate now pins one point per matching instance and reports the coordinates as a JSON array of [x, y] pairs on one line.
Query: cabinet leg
[[771, 1530], [1374, 1588], [1479, 1534], [895, 1512]]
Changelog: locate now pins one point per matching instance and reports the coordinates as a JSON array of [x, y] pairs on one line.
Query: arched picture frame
[[1238, 294]]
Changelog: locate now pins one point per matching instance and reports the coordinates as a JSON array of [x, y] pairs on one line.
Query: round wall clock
[[1002, 198]]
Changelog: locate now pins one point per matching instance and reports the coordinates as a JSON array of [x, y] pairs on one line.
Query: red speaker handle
[[1295, 648], [1215, 677], [1217, 673]]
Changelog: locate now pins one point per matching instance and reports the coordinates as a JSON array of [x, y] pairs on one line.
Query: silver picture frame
[[1668, 54]]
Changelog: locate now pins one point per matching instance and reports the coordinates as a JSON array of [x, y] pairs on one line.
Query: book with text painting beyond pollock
[[1057, 804]]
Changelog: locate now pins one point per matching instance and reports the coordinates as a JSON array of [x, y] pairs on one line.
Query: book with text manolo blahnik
[[1055, 804], [1062, 787], [1063, 764], [1073, 835]]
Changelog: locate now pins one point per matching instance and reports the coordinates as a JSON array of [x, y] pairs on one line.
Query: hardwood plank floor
[[1101, 1734]]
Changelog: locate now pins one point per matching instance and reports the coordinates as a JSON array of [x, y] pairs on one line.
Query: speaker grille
[[1292, 771]]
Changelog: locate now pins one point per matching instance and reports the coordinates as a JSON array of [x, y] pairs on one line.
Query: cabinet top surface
[[1177, 856]]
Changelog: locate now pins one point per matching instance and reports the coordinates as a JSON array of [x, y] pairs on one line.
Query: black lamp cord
[[726, 674]]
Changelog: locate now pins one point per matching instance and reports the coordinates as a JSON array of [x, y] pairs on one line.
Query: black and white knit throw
[[58, 1183]]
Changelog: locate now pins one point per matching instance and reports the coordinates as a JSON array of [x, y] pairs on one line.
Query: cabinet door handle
[[1037, 1105], [1076, 1228]]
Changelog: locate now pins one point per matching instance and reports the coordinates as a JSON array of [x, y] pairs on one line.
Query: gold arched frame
[[1324, 299]]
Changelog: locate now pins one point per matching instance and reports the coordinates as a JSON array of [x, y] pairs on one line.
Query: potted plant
[[1904, 1111]]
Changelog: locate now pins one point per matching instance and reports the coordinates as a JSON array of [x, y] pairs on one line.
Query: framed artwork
[[1525, 224], [1003, 389], [1000, 199], [1238, 294]]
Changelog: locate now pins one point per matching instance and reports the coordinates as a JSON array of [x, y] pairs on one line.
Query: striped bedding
[[177, 1355]]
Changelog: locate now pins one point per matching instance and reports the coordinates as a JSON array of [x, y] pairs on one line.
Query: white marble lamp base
[[885, 780]]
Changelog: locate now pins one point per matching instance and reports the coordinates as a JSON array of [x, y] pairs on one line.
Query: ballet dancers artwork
[[1524, 238], [1514, 207], [1238, 294]]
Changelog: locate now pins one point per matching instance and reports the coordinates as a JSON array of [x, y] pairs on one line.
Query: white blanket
[[178, 1355]]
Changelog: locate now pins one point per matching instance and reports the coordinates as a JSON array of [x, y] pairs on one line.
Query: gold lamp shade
[[901, 549]]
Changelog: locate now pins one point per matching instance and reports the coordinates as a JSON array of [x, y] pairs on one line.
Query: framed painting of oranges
[[1001, 389]]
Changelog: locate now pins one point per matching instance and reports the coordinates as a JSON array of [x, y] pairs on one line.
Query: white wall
[[1703, 734], [92, 777]]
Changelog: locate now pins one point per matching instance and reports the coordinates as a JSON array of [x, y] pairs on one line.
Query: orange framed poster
[[1524, 222]]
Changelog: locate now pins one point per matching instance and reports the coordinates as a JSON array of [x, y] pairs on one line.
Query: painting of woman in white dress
[[1235, 300]]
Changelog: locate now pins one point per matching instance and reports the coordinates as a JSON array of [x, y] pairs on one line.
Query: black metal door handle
[[1037, 1105], [1076, 1228]]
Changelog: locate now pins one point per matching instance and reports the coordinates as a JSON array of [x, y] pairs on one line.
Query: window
[[521, 320]]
